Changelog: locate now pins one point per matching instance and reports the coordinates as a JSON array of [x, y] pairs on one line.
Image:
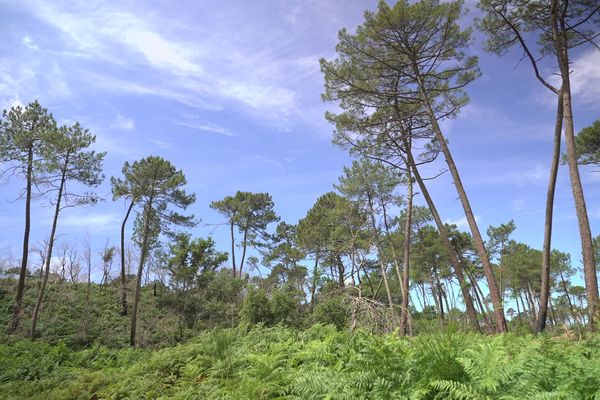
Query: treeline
[[365, 254]]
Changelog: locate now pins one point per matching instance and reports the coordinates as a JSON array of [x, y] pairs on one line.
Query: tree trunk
[[340, 266], [40, 299], [232, 249], [138, 284], [529, 297], [477, 239], [471, 313], [566, 290], [545, 289], [244, 247], [315, 279], [382, 262], [16, 311], [406, 261], [589, 265], [123, 272], [439, 307]]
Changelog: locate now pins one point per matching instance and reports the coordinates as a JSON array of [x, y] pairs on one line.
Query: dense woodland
[[316, 308]]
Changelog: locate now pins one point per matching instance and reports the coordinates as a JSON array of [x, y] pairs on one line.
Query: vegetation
[[318, 363], [371, 294]]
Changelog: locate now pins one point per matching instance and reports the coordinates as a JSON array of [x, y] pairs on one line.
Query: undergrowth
[[317, 363]]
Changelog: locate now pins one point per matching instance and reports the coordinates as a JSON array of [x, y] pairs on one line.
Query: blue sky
[[230, 93]]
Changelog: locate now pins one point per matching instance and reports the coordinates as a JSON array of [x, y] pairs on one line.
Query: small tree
[[251, 213]]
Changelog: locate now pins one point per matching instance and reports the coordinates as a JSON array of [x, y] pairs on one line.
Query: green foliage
[[587, 144], [318, 363], [334, 311]]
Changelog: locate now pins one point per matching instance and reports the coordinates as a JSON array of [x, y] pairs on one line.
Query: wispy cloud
[[207, 73], [208, 127], [461, 223], [28, 42], [91, 220], [585, 78]]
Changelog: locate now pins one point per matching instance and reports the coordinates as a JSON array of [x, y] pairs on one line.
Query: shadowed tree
[[67, 161], [157, 186], [22, 132]]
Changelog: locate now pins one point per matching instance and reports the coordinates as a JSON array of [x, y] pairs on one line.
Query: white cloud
[[123, 123]]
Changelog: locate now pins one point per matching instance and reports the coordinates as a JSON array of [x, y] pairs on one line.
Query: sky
[[230, 92]]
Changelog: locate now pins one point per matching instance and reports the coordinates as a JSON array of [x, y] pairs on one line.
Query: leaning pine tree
[[409, 61]]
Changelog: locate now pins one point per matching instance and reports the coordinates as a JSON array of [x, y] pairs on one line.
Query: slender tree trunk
[[566, 290], [123, 272], [545, 289], [471, 313], [484, 312], [315, 280], [40, 299], [529, 297], [380, 255], [340, 267], [393, 250], [232, 249], [526, 310], [589, 265], [462, 194], [552, 313], [406, 261], [439, 307], [138, 284], [244, 247], [16, 311]]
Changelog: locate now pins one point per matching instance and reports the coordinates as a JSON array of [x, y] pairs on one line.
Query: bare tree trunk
[[16, 311], [439, 307], [40, 299], [471, 313], [138, 285], [545, 289], [566, 290], [529, 297], [315, 279], [123, 272], [380, 255], [477, 239], [406, 261], [232, 249], [340, 267], [244, 247], [589, 265]]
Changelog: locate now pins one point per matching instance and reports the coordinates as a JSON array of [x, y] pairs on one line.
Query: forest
[[372, 294]]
